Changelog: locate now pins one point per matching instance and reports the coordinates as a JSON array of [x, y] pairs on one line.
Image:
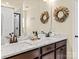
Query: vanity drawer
[[61, 43], [48, 48], [27, 55]]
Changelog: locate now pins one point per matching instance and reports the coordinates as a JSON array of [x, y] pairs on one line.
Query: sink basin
[[33, 41], [56, 35], [15, 46]]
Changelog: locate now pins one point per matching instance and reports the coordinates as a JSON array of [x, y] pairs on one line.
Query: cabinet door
[[61, 53], [60, 44], [28, 55], [48, 48], [48, 56]]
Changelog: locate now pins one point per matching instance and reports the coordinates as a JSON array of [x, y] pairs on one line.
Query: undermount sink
[[15, 46], [33, 41], [55, 35]]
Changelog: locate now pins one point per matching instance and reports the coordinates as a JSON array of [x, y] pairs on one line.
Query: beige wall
[[67, 26]]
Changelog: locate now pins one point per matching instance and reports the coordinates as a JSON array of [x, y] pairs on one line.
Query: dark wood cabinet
[[60, 44], [48, 48], [61, 50], [28, 55], [61, 53], [48, 52], [53, 51], [49, 56]]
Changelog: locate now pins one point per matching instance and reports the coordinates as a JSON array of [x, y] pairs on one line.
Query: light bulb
[[45, 0], [52, 0], [7, 3]]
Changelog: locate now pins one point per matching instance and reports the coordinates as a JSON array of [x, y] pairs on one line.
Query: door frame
[[19, 23]]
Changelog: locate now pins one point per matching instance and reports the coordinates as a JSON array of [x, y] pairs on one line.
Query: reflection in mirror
[[23, 17], [11, 11], [32, 11], [17, 23]]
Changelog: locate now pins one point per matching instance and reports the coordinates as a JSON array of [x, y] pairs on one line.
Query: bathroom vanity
[[54, 48]]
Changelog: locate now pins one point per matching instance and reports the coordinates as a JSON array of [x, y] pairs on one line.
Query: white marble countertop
[[27, 45]]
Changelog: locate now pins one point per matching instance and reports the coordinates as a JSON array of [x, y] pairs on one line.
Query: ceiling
[[11, 3]]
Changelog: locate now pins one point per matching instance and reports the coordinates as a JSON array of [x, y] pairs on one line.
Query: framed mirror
[[11, 14], [22, 17]]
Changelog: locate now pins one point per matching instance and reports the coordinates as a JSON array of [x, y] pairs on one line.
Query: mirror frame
[[65, 14], [45, 13]]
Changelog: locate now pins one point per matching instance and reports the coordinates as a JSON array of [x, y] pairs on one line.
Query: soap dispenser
[[11, 39], [15, 39]]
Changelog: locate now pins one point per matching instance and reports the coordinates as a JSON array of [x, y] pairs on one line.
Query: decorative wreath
[[44, 17], [61, 14]]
